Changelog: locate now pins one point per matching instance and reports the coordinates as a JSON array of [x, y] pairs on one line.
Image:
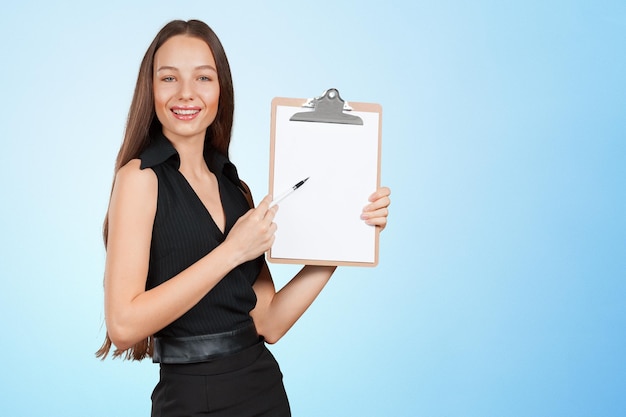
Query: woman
[[185, 277]]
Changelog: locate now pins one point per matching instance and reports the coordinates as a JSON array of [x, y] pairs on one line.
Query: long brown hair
[[142, 124]]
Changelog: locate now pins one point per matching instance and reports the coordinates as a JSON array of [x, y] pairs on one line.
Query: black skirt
[[246, 383]]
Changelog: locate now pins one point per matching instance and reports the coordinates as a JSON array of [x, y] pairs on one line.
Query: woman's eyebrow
[[172, 68], [166, 68], [205, 67]]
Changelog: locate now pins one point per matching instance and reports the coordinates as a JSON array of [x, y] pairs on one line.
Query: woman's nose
[[186, 90]]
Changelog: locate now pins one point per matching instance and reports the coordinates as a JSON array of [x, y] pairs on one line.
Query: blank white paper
[[321, 220]]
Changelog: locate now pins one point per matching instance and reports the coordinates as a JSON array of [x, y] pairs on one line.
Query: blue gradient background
[[500, 290]]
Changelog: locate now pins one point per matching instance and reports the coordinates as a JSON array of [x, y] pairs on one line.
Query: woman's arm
[[276, 312], [131, 312]]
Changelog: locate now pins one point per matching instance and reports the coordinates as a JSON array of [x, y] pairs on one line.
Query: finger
[[268, 218], [270, 236], [377, 221], [262, 207], [380, 213], [265, 203], [377, 204], [270, 243], [271, 211], [380, 193]]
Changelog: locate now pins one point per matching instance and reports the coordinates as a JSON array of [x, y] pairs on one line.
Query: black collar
[[161, 150]]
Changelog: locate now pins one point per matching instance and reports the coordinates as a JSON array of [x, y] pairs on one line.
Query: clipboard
[[337, 146]]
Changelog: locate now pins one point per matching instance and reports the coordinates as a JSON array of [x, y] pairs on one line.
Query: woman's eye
[[168, 79], [204, 78]]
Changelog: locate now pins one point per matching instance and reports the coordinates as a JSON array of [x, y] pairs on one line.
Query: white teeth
[[185, 112]]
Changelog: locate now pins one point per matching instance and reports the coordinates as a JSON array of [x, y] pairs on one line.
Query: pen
[[289, 191]]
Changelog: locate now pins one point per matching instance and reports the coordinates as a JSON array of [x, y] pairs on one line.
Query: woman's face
[[186, 88]]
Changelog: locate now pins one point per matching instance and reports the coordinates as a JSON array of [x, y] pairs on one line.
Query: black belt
[[202, 348]]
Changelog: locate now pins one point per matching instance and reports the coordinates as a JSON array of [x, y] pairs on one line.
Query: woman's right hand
[[253, 233]]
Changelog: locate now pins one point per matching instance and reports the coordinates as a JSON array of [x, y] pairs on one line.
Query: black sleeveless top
[[184, 231]]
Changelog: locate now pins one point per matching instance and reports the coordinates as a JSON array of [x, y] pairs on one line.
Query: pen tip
[[306, 179]]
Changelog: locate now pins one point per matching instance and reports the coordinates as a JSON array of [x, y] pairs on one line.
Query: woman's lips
[[185, 113]]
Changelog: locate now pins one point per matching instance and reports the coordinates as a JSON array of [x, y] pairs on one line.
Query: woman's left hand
[[376, 212]]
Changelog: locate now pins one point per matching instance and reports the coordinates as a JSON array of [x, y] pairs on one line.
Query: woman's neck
[[191, 154]]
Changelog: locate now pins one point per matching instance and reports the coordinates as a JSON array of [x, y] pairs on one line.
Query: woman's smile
[[185, 113]]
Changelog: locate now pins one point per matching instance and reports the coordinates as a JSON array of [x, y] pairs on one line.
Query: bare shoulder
[[133, 174], [132, 179], [135, 185]]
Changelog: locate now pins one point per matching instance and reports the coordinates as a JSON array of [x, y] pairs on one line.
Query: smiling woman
[[186, 88], [185, 279]]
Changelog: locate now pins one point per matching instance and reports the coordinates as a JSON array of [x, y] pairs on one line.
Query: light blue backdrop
[[500, 290]]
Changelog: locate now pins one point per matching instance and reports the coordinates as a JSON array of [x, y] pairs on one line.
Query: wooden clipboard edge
[[322, 262], [356, 106]]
